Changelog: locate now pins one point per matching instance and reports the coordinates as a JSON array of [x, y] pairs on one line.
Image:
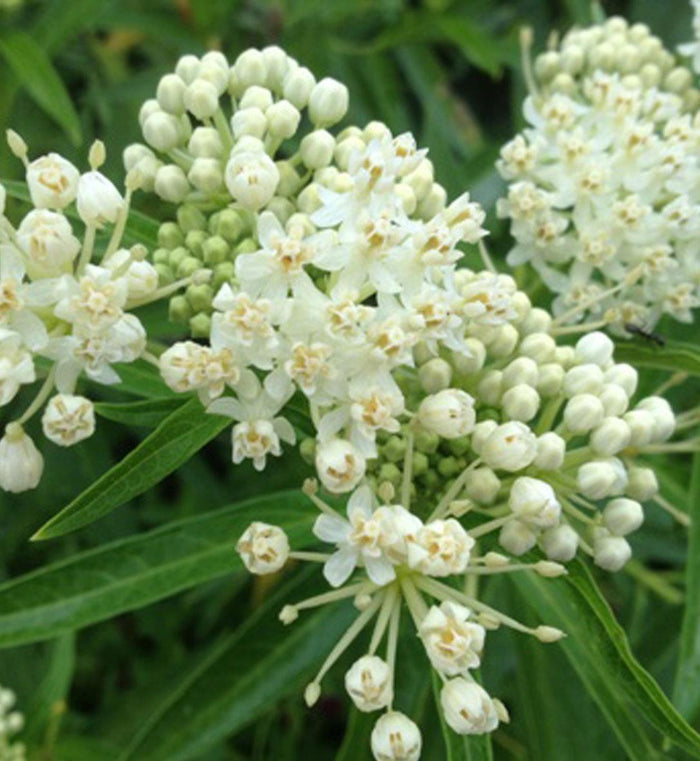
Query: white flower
[[52, 182], [188, 366], [369, 683], [98, 200], [16, 365], [441, 548], [467, 707], [449, 413], [263, 548], [46, 239], [21, 463], [534, 502], [339, 465], [96, 301], [363, 538], [251, 178], [396, 738], [511, 446], [453, 644], [68, 419]]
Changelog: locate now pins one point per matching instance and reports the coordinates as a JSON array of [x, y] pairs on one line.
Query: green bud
[[431, 479], [178, 309], [194, 240], [448, 466], [459, 446], [199, 297], [230, 225], [165, 274], [223, 273], [420, 463], [394, 449], [307, 449], [389, 472], [247, 246], [427, 441], [170, 235], [200, 325], [282, 208], [190, 218], [215, 250], [176, 256], [161, 256], [188, 266]]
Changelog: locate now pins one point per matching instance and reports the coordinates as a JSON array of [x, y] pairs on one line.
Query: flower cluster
[[692, 49], [604, 197], [61, 316], [11, 722], [393, 558]]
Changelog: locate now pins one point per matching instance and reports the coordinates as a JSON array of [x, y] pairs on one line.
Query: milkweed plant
[[483, 421]]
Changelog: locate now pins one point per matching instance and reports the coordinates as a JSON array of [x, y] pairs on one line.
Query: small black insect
[[647, 335]]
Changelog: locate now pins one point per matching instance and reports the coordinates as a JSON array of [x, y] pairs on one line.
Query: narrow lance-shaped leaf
[[176, 439], [33, 68], [674, 356], [131, 573], [599, 651], [686, 691]]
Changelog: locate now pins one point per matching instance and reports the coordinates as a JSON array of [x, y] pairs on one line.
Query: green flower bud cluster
[[629, 50], [193, 242]]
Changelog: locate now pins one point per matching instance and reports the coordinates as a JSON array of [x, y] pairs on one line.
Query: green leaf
[[142, 379], [149, 413], [240, 678], [176, 439], [461, 747], [33, 68], [356, 741], [675, 356], [686, 690], [599, 651], [128, 574]]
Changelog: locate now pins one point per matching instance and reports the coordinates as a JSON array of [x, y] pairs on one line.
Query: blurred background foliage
[[75, 70]]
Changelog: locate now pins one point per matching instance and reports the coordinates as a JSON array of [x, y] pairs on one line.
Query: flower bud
[[369, 682], [297, 86], [534, 502], [328, 102], [467, 707], [622, 516], [317, 149], [187, 68], [520, 402], [473, 358], [256, 97], [483, 486], [511, 446], [68, 419], [559, 543], [249, 121], [277, 63], [642, 426], [610, 552], [583, 379], [539, 347], [595, 348], [283, 119], [98, 201], [551, 449], [522, 370], [481, 433], [623, 375], [21, 463], [251, 178], [550, 379], [449, 413], [339, 464], [583, 412], [614, 398], [435, 375], [642, 484], [664, 419], [205, 175], [504, 342], [490, 388], [250, 68], [517, 538], [601, 478], [52, 182], [537, 321], [162, 131], [610, 437], [205, 143], [171, 183], [170, 94], [263, 548], [396, 738]]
